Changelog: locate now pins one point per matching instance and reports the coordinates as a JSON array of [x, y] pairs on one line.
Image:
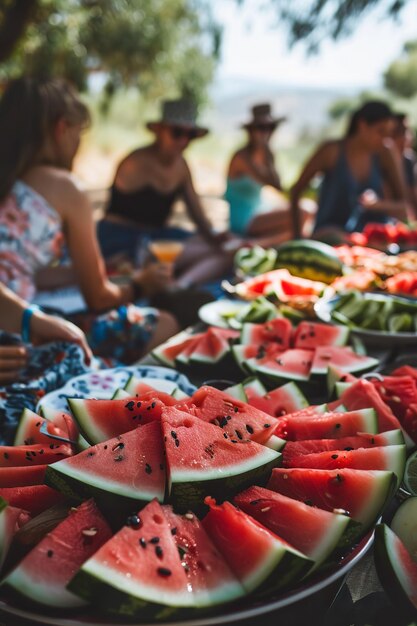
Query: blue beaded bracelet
[[27, 316]]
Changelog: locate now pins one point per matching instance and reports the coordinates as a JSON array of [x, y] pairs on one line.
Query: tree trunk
[[12, 26]]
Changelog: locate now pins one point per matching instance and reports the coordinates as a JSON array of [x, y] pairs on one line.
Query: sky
[[254, 49]]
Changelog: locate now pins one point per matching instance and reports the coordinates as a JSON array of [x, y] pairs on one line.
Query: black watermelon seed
[[164, 571], [161, 467], [308, 502], [148, 468], [51, 445], [138, 405], [239, 434], [173, 434], [134, 521], [174, 530], [249, 429], [118, 446], [177, 442], [33, 453], [105, 447], [6, 456], [223, 421], [372, 440], [41, 451], [267, 425], [37, 424], [236, 410], [50, 553], [338, 478], [130, 405], [348, 449], [338, 425], [225, 435], [153, 405], [228, 417], [90, 453], [335, 456], [254, 502], [234, 441], [154, 540], [119, 457], [159, 552], [142, 542]]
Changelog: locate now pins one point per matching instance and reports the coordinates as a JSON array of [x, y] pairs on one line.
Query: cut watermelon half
[[202, 459], [237, 419], [326, 425], [44, 573], [33, 498], [277, 331], [396, 570], [266, 562], [342, 357], [312, 335], [292, 364], [281, 401], [130, 466], [100, 420], [208, 573], [290, 518], [28, 430], [363, 494], [138, 570], [11, 520]]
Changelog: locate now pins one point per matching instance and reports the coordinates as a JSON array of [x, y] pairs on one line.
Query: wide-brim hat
[[262, 115], [181, 112]]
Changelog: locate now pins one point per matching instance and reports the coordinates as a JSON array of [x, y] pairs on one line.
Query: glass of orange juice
[[166, 251]]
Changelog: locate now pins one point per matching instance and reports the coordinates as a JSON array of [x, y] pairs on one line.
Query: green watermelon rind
[[340, 388], [275, 443], [87, 427], [188, 494], [243, 363], [254, 384], [273, 374], [41, 593], [293, 393], [237, 391], [365, 364], [119, 394], [389, 571]]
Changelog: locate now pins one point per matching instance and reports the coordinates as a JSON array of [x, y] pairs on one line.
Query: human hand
[[368, 199], [12, 360], [45, 328], [153, 278]]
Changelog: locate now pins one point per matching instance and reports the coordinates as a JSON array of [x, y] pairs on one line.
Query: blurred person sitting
[[403, 137], [42, 208], [147, 184], [362, 178]]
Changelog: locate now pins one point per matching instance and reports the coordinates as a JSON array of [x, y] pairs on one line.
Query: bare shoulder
[[130, 168], [328, 152], [239, 162], [59, 187]]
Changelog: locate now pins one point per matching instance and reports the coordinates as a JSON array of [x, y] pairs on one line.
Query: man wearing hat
[[147, 184], [251, 168]]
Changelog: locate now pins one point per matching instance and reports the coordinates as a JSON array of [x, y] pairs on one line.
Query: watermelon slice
[[28, 430], [103, 419], [167, 352], [290, 518], [291, 364], [337, 375], [22, 476], [398, 392], [36, 454], [389, 458], [211, 348], [343, 358], [209, 575], [276, 331], [44, 573], [248, 356], [362, 440], [236, 418], [396, 570], [314, 335], [253, 388], [34, 498], [267, 563], [183, 357], [138, 570], [405, 370], [202, 459], [280, 401], [11, 520], [131, 466], [64, 421], [326, 425], [362, 493]]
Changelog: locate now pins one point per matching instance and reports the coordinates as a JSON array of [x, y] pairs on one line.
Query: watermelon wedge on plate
[[342, 357], [313, 334], [36, 454], [28, 430], [32, 498], [290, 518], [43, 574], [168, 352], [11, 520], [266, 563], [131, 466], [22, 476], [285, 399], [332, 425], [276, 331], [292, 364], [363, 493], [203, 459]]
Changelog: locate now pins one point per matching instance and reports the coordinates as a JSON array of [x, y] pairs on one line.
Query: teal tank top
[[244, 197]]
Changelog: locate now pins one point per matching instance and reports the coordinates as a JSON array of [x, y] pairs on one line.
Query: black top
[[147, 206]]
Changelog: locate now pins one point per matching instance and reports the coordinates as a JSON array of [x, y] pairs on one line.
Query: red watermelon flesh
[[103, 419], [130, 465], [362, 493], [313, 334], [342, 357], [37, 454], [231, 528], [170, 352], [363, 394], [63, 420], [405, 370], [226, 333], [131, 563], [280, 401], [290, 518], [325, 425], [11, 520], [258, 351], [310, 446], [292, 364], [210, 348], [238, 419], [33, 498], [276, 331], [398, 392], [209, 575], [410, 422], [44, 573], [22, 476], [28, 431], [263, 284]]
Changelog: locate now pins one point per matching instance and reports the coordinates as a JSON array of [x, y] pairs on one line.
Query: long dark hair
[[371, 112], [29, 109]]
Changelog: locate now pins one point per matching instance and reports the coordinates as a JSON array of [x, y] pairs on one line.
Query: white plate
[[103, 383], [211, 313], [376, 338]]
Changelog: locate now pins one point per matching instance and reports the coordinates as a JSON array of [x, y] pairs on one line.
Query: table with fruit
[[250, 497]]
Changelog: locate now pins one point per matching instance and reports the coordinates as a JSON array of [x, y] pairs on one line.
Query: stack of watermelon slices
[[337, 476]]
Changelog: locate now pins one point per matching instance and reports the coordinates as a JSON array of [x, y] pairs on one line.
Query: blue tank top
[[338, 198], [244, 197]]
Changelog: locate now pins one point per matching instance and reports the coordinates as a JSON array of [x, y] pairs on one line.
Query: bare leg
[[274, 227], [166, 327]]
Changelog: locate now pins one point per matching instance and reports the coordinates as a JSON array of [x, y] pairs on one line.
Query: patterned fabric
[[31, 237], [49, 367]]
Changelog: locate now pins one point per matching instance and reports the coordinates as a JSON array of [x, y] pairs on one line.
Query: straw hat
[[182, 113], [262, 116]]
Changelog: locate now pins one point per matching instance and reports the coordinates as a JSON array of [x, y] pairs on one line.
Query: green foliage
[[401, 75], [162, 47]]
